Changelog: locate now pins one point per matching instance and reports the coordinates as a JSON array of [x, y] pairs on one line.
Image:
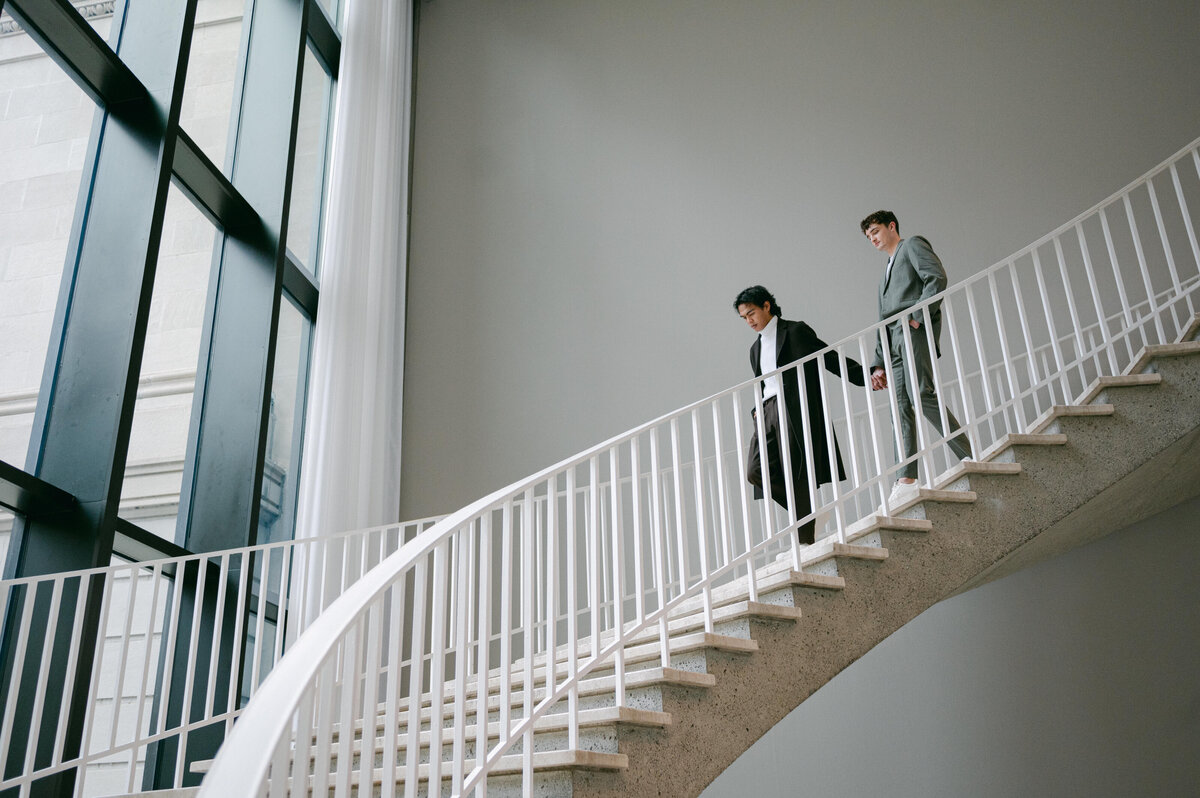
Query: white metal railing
[[532, 590], [221, 620], [529, 591]]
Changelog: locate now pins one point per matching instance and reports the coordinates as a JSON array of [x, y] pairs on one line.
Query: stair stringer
[[1112, 472]]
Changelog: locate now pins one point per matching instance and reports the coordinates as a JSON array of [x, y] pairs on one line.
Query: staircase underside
[[1113, 471]]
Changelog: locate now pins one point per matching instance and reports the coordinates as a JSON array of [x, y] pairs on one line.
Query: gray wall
[[594, 181], [1077, 676]]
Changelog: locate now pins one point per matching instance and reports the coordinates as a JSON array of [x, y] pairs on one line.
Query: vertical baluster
[[484, 642], [371, 670], [1170, 256], [893, 405], [968, 416], [394, 683], [722, 498], [210, 696], [976, 336], [840, 519], [81, 599], [660, 546], [301, 756], [437, 665], [260, 623], [1151, 299], [572, 614], [1188, 227], [1059, 366], [461, 582], [616, 531], [639, 575], [239, 635], [701, 527], [20, 654], [924, 450], [785, 449], [39, 693], [764, 465], [416, 667], [594, 551], [350, 644], [739, 446], [123, 653], [1076, 325], [1035, 379], [1097, 302], [528, 636], [145, 683], [935, 372], [1005, 354], [505, 620], [552, 583], [175, 609], [677, 480], [193, 654], [1126, 307], [872, 420], [326, 713]]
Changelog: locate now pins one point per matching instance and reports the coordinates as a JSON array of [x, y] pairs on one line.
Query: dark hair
[[758, 296], [881, 218]]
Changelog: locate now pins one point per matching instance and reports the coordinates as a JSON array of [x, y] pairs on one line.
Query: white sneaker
[[902, 493]]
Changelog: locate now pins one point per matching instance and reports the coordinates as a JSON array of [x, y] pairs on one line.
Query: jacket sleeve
[[854, 371], [929, 271]]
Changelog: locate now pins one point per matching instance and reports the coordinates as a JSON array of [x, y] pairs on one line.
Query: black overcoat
[[795, 340]]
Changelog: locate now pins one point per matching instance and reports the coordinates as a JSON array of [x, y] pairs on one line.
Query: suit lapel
[[756, 356], [780, 342], [889, 273]]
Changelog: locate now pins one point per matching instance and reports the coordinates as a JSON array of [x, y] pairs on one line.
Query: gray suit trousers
[[901, 379]]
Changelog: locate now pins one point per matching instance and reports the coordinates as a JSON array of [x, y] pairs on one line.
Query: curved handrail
[[328, 681], [147, 600]]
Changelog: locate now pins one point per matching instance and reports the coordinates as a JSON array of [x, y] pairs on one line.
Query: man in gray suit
[[914, 273]]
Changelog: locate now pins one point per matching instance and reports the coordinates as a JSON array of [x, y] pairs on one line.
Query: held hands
[[878, 380]]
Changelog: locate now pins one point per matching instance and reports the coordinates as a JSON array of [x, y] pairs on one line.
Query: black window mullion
[[85, 408], [212, 192], [69, 40], [326, 43], [222, 484]]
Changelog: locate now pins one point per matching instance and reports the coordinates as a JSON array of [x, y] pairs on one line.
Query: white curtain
[[350, 473]]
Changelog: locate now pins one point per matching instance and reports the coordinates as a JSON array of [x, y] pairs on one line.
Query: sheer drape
[[350, 474]]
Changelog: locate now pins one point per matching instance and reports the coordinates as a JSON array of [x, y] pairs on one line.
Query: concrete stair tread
[[1023, 439], [1119, 381], [1180, 349], [1070, 411], [566, 759], [547, 724], [633, 654], [602, 685]]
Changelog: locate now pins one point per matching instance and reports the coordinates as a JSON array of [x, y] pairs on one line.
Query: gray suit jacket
[[916, 275]]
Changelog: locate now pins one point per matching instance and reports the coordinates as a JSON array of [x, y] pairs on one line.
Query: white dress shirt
[[766, 358]]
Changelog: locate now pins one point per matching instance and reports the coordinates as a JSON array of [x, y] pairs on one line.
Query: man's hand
[[916, 325], [878, 380]]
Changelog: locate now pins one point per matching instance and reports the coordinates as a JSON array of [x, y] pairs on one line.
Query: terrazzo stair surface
[[1132, 448]]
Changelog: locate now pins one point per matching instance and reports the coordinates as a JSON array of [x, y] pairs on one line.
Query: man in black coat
[[779, 343]]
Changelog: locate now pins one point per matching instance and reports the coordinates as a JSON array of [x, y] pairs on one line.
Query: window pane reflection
[[158, 441], [308, 171], [45, 123], [278, 511]]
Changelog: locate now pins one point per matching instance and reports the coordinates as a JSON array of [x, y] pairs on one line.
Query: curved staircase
[[629, 621]]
